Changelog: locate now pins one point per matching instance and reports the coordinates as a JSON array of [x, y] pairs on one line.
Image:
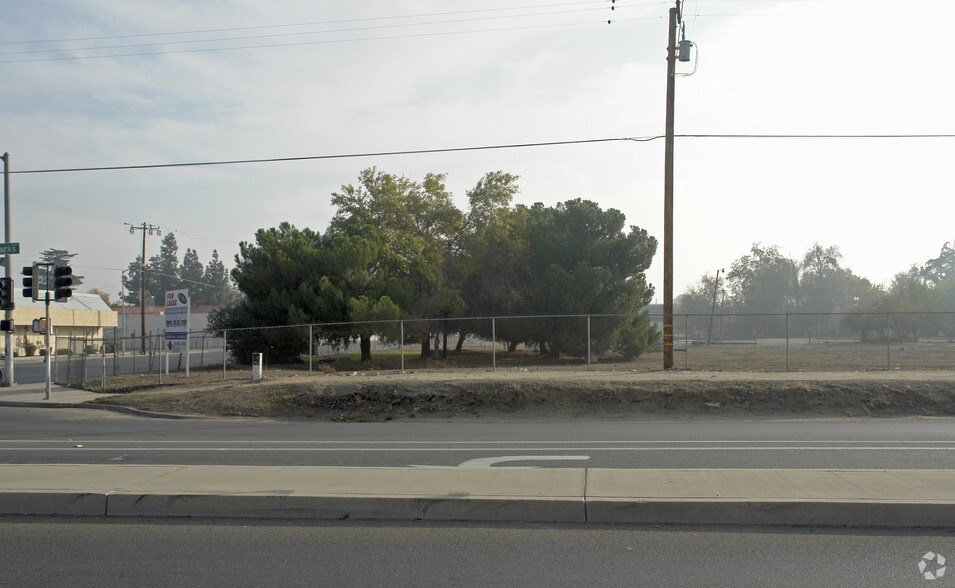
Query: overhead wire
[[315, 23], [480, 148]]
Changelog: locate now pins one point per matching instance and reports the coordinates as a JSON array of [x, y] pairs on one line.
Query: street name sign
[[9, 248]]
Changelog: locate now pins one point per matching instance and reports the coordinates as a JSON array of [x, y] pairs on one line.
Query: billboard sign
[[177, 321]]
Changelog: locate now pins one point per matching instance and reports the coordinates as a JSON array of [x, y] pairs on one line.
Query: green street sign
[[9, 248]]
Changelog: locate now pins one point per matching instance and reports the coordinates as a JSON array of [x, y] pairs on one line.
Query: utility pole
[[7, 314], [144, 227], [668, 192]]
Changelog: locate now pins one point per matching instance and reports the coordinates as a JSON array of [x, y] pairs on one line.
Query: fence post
[[104, 370], [493, 345], [588, 341], [787, 341], [225, 350], [85, 360], [686, 341], [310, 343], [888, 342], [402, 345]]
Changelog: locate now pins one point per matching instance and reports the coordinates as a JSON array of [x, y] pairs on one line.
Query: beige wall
[[67, 322]]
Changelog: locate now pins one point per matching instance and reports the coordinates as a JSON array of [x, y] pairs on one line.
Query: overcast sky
[[91, 83]]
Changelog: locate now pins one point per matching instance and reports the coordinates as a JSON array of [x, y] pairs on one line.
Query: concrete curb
[[859, 498]]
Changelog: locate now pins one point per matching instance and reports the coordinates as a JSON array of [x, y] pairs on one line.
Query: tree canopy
[[209, 285], [400, 248]]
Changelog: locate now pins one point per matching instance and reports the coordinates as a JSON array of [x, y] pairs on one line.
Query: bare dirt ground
[[539, 393]]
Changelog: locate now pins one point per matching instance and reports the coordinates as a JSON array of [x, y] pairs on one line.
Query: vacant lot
[[377, 393]]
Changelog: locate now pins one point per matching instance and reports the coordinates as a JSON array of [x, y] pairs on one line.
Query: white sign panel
[[177, 321]]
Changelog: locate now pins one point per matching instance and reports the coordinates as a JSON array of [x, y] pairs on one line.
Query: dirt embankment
[[540, 395]]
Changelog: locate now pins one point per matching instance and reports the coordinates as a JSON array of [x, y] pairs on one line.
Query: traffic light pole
[[7, 314], [46, 344]]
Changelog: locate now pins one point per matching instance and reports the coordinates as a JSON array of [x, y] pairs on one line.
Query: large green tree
[[580, 260], [416, 222], [295, 277]]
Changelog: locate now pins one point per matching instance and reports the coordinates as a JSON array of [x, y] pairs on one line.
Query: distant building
[[81, 317], [129, 322]]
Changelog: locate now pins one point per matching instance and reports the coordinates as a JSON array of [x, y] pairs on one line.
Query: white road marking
[[486, 462]]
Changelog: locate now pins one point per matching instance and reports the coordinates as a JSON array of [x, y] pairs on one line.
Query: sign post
[[177, 324]]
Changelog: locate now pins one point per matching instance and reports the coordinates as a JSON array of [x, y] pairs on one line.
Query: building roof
[[77, 301]]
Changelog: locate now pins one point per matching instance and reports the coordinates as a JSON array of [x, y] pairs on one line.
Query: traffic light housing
[[62, 283], [6, 325], [31, 282], [6, 294]]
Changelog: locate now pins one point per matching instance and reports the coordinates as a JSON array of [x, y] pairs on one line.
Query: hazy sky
[[89, 83]]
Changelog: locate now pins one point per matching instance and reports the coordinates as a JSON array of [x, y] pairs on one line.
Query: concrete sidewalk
[[733, 496], [35, 394]]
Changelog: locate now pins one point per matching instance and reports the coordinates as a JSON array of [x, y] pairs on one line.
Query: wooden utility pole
[[144, 227], [668, 193]]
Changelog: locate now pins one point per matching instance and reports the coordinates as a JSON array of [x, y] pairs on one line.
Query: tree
[[485, 262], [295, 277], [825, 286], [580, 261], [191, 275], [162, 271], [416, 222], [217, 289], [941, 269], [764, 282], [58, 256]]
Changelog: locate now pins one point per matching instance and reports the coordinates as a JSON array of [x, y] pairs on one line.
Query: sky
[[103, 83]]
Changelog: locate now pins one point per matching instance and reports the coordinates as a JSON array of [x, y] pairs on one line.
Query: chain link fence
[[721, 342]]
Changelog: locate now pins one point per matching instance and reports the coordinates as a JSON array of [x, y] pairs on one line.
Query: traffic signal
[[31, 283], [6, 325], [62, 283], [6, 294]]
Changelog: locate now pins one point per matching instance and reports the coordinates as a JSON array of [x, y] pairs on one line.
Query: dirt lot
[[540, 393]]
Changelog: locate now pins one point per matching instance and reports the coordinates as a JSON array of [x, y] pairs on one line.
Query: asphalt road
[[216, 552], [93, 437]]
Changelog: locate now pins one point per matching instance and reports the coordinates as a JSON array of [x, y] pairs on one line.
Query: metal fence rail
[[729, 342]]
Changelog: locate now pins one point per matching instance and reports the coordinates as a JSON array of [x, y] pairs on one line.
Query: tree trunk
[[444, 345], [460, 345], [426, 346], [365, 345], [511, 346]]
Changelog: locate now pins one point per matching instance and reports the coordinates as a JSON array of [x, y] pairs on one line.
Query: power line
[[300, 33], [479, 148], [324, 42], [314, 23]]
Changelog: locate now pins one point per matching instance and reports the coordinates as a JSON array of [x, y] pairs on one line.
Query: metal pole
[[493, 345], [402, 346], [888, 342], [310, 340], [225, 351], [686, 341], [122, 299], [716, 285], [142, 292], [668, 193], [787, 341], [7, 314], [588, 341], [46, 343]]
